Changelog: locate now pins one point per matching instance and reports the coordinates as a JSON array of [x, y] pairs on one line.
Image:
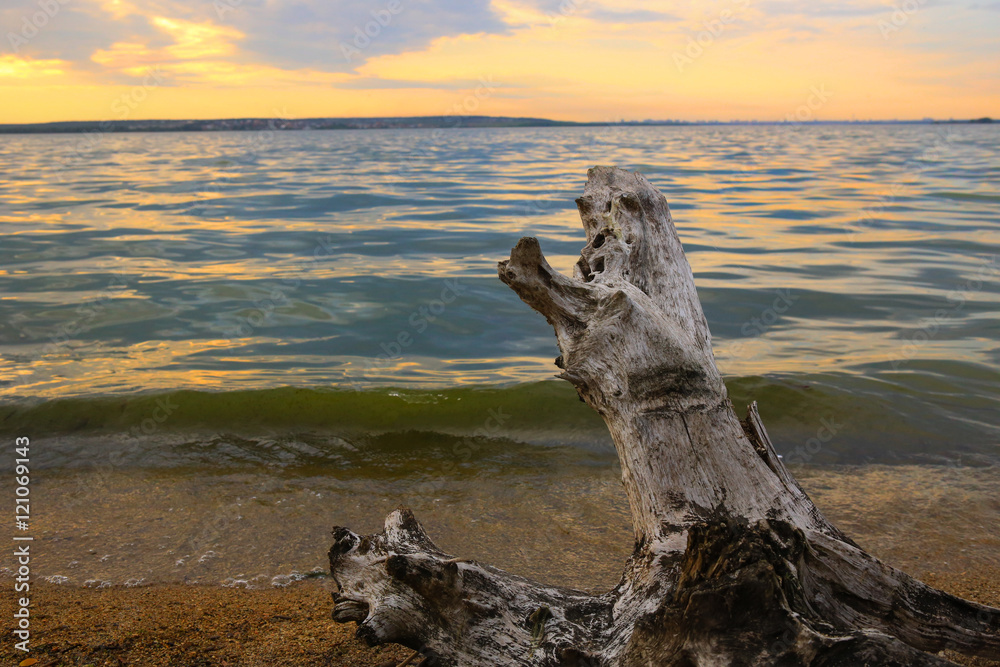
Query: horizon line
[[442, 121]]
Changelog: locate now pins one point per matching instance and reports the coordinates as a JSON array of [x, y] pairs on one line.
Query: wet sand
[[939, 524]]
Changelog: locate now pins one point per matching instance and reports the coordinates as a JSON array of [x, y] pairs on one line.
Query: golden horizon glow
[[588, 61]]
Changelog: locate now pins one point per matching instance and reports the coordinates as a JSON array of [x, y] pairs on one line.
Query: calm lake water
[[190, 313]]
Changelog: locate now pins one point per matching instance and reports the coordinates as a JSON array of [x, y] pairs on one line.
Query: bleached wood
[[733, 563]]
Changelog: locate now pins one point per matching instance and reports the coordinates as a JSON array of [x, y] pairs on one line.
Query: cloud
[[522, 13], [822, 9], [574, 59], [340, 36], [378, 83], [72, 32], [197, 40], [188, 41], [125, 55], [628, 15], [115, 37], [225, 74], [181, 42], [17, 67]]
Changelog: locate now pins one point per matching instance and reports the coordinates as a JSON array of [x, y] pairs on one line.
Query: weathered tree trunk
[[733, 564]]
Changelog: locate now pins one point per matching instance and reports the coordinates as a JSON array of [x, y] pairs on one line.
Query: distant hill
[[386, 123], [263, 124]]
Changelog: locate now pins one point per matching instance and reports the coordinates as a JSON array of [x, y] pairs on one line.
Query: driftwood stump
[[733, 563]]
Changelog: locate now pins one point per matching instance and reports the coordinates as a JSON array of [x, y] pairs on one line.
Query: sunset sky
[[584, 60]]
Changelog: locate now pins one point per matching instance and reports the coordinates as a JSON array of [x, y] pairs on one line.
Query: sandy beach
[[166, 625], [937, 523], [177, 624]]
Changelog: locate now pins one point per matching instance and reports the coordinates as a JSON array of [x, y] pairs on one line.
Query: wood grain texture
[[733, 563]]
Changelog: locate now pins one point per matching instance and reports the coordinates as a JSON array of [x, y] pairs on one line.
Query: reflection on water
[[223, 261], [199, 333]]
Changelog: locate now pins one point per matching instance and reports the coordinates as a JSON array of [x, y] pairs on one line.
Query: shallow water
[[256, 529], [299, 326], [860, 262]]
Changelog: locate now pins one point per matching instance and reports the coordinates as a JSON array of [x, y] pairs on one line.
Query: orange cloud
[[223, 73], [16, 67], [197, 40], [125, 55], [574, 60], [199, 50], [119, 9], [192, 41]]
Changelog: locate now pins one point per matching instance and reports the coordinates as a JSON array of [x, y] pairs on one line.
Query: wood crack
[[733, 563]]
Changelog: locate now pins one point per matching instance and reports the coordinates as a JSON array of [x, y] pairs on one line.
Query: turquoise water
[[222, 344], [289, 296]]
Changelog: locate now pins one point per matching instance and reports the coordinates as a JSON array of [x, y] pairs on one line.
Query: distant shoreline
[[395, 123]]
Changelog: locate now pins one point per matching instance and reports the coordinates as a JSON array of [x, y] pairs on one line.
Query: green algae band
[[820, 418]]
